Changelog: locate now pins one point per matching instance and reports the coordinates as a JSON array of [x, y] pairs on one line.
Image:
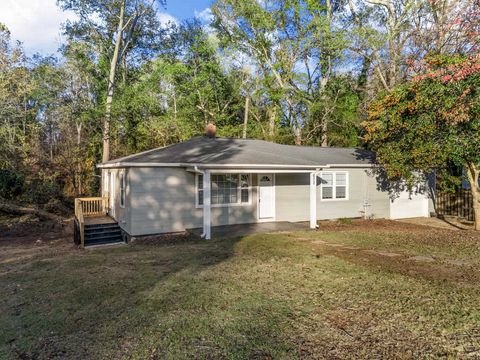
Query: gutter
[[225, 166]]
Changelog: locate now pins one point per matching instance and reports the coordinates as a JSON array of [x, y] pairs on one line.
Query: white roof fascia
[[226, 166], [205, 166], [350, 165], [260, 171]]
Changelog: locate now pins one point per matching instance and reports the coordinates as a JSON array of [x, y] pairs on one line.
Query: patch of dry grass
[[267, 295]]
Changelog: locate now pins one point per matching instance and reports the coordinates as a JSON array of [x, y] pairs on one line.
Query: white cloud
[[205, 15], [36, 23], [166, 19]]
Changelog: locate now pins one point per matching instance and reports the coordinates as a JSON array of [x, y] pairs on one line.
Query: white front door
[[266, 196], [111, 194]]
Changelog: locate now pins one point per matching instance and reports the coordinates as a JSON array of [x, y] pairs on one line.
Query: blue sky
[[36, 23], [183, 9]]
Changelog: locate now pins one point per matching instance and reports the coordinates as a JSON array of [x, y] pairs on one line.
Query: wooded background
[[289, 71]]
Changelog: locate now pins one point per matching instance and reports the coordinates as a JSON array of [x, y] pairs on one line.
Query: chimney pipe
[[210, 130]]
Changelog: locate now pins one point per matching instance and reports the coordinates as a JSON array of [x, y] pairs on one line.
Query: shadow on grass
[[451, 223], [144, 300]]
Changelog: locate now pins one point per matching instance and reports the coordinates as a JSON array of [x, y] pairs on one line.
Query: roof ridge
[[293, 145]]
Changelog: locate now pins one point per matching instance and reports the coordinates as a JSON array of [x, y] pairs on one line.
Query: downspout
[[202, 172], [313, 199]]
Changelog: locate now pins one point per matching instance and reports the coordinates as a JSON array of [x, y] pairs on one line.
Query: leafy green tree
[[16, 111], [430, 123], [121, 32], [339, 108], [293, 45]]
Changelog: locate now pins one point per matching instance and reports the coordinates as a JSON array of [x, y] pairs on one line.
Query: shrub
[[11, 184], [41, 192], [345, 221]]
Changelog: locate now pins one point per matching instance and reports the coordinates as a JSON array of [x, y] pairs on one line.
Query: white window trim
[[239, 195], [123, 192], [334, 185]]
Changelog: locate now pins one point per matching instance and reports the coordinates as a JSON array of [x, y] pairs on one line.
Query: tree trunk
[[78, 187], [473, 172], [272, 115], [298, 135], [174, 106], [111, 83], [245, 117], [326, 74], [476, 208], [324, 142], [20, 210]]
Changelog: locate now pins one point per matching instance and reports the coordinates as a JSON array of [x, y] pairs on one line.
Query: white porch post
[[206, 205], [313, 200]]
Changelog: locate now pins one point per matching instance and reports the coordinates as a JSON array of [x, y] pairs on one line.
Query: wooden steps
[[103, 234]]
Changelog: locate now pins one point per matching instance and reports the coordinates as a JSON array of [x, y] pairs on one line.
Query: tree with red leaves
[[431, 122]]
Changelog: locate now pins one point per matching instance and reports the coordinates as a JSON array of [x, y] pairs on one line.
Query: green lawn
[[347, 291]]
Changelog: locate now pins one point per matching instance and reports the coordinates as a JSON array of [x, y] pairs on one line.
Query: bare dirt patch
[[409, 232], [26, 228], [401, 264], [24, 238], [424, 266], [407, 225], [450, 223]]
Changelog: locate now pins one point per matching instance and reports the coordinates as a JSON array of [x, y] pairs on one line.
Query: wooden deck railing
[[88, 207]]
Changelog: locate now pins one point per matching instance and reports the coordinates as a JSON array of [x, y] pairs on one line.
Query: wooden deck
[[99, 220]]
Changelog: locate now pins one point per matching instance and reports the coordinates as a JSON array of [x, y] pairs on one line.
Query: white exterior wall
[[292, 197], [163, 200]]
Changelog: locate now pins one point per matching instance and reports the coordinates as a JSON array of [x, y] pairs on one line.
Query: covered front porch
[[237, 230], [264, 203]]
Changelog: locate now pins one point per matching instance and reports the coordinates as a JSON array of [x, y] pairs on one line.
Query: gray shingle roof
[[227, 151]]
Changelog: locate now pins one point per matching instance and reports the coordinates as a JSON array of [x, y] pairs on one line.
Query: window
[[244, 188], [122, 189], [327, 186], [334, 185], [225, 189], [340, 185]]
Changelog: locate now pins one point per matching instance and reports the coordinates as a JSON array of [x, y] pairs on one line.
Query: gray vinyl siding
[[293, 197], [162, 200]]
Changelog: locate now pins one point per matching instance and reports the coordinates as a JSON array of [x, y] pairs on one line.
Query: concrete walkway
[[229, 231]]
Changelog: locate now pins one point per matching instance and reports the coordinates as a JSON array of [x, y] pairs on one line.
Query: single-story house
[[210, 181]]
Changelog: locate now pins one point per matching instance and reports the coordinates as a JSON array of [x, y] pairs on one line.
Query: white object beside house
[[205, 182]]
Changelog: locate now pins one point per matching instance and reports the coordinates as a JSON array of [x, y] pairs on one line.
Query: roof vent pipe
[[210, 130]]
